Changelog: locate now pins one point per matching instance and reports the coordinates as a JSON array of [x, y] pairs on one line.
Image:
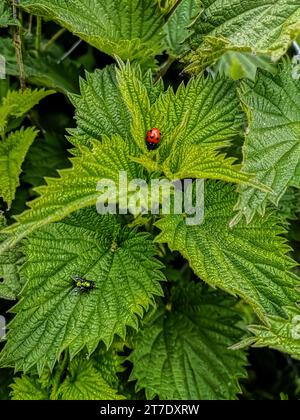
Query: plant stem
[[58, 375], [30, 24], [164, 68], [296, 47], [66, 55], [18, 46], [54, 38], [38, 33]]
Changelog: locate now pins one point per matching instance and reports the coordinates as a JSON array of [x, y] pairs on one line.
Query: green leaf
[[52, 316], [100, 109], [179, 26], [6, 18], [289, 205], [206, 112], [194, 122], [84, 382], [18, 103], [130, 29], [182, 352], [260, 27], [237, 65], [28, 388], [136, 98], [272, 148], [199, 163], [109, 363], [248, 260], [76, 188], [42, 69], [11, 281], [282, 334], [13, 150]]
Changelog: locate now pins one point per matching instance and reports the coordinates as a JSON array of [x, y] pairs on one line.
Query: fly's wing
[[76, 278]]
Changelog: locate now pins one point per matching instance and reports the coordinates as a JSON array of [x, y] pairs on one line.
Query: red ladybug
[[153, 138]]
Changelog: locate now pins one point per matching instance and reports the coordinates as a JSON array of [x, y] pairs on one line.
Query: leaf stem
[[164, 68], [54, 38], [296, 47], [18, 46], [58, 375], [66, 55], [30, 24], [38, 33]]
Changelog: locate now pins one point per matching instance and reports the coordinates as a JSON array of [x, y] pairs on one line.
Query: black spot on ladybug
[[153, 138]]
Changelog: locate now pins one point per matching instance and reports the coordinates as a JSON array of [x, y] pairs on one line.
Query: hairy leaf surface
[[28, 388], [84, 382], [259, 26], [247, 260], [53, 316], [182, 352], [130, 29], [18, 103], [180, 26], [13, 150], [282, 334], [76, 188], [10, 262], [272, 147], [6, 18]]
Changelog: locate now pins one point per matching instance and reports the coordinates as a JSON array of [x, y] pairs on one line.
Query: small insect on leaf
[[82, 285]]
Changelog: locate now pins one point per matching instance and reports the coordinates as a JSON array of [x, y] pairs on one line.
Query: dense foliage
[[167, 310]]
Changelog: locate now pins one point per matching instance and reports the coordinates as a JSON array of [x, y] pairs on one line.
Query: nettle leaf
[[197, 163], [289, 205], [130, 29], [109, 363], [265, 28], [44, 70], [41, 69], [238, 65], [195, 121], [282, 334], [18, 103], [52, 316], [179, 27], [272, 148], [76, 188], [28, 388], [11, 281], [136, 98], [182, 351], [100, 109], [13, 150], [205, 111], [6, 18], [84, 382], [248, 260]]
